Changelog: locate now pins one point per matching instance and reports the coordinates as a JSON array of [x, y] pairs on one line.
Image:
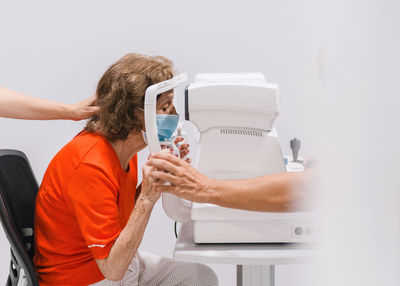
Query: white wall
[[360, 136], [59, 50]]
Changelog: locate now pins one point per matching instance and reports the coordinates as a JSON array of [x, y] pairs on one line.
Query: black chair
[[18, 189]]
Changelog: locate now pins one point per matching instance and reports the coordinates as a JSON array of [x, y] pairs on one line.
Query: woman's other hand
[[183, 148]]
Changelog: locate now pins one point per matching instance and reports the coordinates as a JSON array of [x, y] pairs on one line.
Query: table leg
[[255, 275]]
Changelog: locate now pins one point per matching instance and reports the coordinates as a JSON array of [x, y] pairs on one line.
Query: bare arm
[[274, 193], [20, 106], [125, 246]]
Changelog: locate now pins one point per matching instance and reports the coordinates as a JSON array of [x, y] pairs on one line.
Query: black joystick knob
[[295, 146]]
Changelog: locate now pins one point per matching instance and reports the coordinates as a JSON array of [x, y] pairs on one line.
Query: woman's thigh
[[131, 277], [157, 270]]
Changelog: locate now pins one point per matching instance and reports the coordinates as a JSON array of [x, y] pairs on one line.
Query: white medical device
[[235, 115], [150, 104]]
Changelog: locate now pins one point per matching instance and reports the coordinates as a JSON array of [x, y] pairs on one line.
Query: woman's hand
[[148, 193], [83, 109], [186, 181], [183, 148]]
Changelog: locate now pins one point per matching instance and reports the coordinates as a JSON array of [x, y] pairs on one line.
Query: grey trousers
[[152, 270]]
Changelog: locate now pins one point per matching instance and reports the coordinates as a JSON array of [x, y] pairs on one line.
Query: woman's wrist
[[145, 202]]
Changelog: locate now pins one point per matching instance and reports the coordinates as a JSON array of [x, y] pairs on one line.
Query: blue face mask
[[166, 125]]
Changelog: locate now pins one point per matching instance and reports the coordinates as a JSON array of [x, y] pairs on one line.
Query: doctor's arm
[[20, 106], [273, 193]]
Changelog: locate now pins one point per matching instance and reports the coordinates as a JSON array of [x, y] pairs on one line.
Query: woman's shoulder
[[90, 148]]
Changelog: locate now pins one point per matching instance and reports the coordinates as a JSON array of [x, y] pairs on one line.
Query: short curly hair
[[121, 90]]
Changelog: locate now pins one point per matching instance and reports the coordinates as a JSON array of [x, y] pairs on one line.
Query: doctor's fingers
[[167, 156], [180, 191], [166, 177], [163, 165], [166, 189]]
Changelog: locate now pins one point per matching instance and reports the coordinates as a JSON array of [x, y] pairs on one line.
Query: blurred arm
[[273, 193]]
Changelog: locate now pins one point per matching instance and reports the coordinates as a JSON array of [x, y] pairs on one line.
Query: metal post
[[255, 275]]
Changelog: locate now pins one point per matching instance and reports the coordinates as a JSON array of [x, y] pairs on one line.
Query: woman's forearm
[[122, 252], [274, 193]]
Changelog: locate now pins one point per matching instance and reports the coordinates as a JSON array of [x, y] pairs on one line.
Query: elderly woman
[[90, 217]]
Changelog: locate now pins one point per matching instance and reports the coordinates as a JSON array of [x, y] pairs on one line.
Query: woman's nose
[[173, 111]]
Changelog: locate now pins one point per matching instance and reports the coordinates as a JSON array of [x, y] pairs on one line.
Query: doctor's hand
[[83, 109], [186, 181]]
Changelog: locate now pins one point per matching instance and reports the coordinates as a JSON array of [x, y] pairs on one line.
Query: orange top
[[84, 202]]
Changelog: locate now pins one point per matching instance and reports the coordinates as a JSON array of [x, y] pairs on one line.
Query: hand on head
[[83, 109]]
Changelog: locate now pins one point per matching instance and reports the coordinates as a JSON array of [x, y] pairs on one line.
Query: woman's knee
[[202, 275]]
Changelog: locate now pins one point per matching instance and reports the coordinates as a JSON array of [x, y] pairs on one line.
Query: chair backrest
[[18, 189]]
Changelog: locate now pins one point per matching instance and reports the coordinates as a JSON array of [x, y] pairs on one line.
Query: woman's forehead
[[166, 97]]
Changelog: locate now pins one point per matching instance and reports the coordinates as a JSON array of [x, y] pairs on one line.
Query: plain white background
[[337, 65]]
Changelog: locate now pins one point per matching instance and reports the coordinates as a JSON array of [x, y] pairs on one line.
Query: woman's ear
[[139, 115]]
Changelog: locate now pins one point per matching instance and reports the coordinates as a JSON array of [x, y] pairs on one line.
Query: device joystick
[[295, 165], [295, 146]]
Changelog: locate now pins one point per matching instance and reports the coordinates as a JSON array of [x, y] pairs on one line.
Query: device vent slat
[[240, 131]]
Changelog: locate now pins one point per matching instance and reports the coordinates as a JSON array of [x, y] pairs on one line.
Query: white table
[[255, 262]]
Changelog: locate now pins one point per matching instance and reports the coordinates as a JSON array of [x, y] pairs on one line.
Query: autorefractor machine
[[235, 115]]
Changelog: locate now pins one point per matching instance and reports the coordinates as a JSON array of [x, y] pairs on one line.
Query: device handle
[[176, 208]]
